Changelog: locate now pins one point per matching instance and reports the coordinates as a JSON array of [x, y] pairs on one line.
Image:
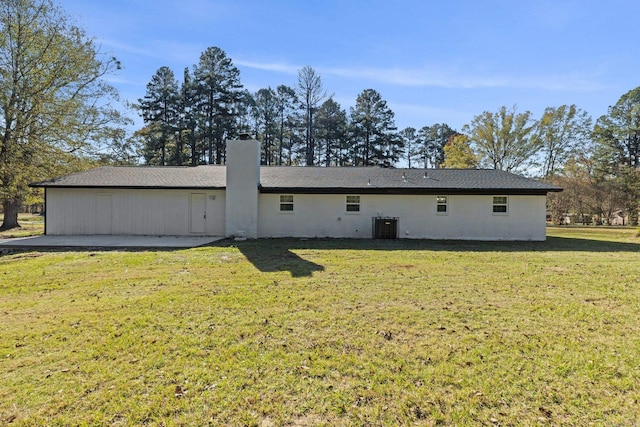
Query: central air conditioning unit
[[384, 227]]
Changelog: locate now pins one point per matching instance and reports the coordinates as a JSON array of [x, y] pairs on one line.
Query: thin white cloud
[[439, 77], [429, 111], [167, 51], [117, 80], [114, 46], [270, 66], [454, 79]]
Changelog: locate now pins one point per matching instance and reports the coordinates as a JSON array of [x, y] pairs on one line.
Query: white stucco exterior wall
[[469, 217], [76, 211], [243, 177]]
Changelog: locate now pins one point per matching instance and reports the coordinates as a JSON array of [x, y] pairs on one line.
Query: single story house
[[244, 199]]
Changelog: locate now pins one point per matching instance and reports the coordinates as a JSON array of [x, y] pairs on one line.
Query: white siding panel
[[104, 213], [216, 201], [469, 217], [134, 212], [166, 212]]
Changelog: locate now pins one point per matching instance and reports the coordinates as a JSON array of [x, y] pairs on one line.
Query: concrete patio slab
[[107, 242]]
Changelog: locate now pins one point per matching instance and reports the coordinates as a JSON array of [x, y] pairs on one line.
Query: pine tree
[[617, 136], [285, 102], [410, 138], [218, 86], [373, 131], [331, 123], [432, 140], [618, 132], [160, 111], [265, 113], [187, 121]]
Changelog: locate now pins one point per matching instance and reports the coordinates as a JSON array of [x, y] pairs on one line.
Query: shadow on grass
[[589, 245], [268, 256], [271, 254], [275, 255]]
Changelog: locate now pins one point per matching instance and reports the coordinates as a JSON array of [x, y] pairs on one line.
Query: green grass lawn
[[326, 332], [30, 225]]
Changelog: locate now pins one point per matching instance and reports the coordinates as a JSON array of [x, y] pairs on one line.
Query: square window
[[500, 204], [286, 203], [353, 204], [441, 204]]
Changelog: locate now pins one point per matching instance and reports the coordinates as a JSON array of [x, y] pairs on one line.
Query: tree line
[[597, 164], [188, 122]]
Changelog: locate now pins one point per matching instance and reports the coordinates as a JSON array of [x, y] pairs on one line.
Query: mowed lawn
[[326, 332], [30, 225]]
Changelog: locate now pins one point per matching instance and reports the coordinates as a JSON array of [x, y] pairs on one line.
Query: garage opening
[[385, 227]]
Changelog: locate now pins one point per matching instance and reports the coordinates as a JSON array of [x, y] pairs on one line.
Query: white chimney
[[243, 178]]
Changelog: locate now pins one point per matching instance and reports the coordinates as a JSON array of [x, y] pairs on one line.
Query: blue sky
[[432, 61]]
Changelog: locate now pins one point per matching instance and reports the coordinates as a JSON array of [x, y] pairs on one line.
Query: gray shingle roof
[[310, 179], [143, 177], [376, 179]]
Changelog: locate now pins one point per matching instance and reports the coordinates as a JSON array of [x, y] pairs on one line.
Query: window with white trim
[[442, 205], [286, 203], [353, 204], [500, 204]]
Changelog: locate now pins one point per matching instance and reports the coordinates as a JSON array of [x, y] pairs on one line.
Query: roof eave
[[127, 187], [407, 191]]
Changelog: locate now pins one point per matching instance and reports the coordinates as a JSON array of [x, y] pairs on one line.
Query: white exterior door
[[104, 214], [198, 213]]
